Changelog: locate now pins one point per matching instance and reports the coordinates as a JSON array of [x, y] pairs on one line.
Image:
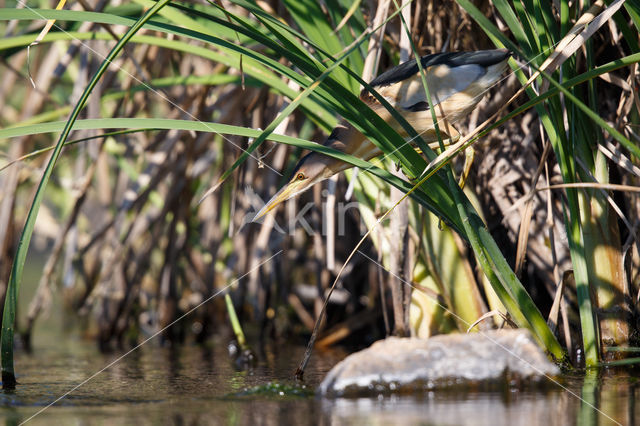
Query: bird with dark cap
[[457, 81]]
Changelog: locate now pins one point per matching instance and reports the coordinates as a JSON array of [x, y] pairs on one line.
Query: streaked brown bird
[[457, 81]]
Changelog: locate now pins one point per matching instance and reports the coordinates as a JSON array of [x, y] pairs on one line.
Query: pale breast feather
[[442, 81]]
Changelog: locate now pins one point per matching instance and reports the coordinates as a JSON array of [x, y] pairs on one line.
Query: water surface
[[192, 385]]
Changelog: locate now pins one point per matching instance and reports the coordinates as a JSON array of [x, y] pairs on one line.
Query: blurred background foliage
[[131, 249]]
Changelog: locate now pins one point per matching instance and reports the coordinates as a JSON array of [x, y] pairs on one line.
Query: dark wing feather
[[404, 71]]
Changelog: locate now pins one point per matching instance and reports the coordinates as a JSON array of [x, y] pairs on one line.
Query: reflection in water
[[609, 397], [192, 385], [478, 409]]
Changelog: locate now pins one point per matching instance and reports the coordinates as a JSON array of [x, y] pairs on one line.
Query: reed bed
[[133, 112]]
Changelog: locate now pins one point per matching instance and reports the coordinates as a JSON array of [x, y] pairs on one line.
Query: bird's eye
[[300, 176]]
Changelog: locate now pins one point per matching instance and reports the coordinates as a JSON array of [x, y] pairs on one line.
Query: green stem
[[235, 323]]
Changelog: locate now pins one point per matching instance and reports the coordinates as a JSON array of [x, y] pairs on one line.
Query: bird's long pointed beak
[[281, 196]]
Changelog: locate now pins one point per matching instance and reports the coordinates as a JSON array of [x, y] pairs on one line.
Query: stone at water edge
[[410, 364]]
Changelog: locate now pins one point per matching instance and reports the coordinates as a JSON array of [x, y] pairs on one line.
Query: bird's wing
[[443, 82]]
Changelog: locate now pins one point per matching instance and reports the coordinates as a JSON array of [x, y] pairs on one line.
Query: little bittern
[[456, 81]]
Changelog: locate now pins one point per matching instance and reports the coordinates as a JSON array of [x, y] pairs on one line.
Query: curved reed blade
[[11, 300]]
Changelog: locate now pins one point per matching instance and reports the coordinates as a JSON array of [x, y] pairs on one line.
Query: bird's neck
[[345, 138]]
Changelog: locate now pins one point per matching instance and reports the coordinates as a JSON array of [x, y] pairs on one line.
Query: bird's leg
[[453, 137], [449, 135], [469, 156], [469, 153]]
